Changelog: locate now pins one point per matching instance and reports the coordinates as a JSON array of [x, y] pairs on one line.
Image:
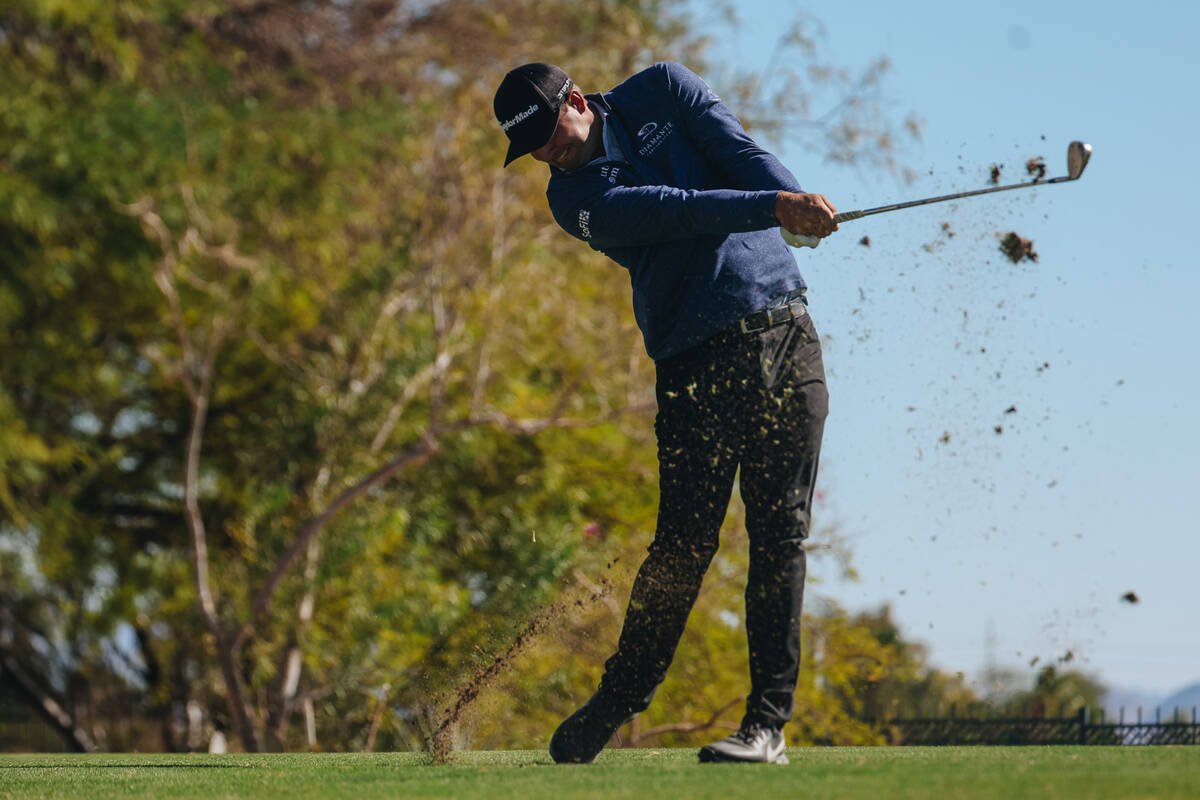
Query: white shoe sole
[[709, 756]]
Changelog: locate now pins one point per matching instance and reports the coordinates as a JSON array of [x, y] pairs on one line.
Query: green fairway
[[1000, 772]]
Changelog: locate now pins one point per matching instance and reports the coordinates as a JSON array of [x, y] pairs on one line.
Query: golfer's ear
[[575, 98]]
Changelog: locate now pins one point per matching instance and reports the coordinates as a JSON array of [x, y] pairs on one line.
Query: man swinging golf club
[[659, 175]]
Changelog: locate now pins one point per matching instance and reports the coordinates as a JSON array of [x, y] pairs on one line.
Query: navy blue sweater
[[690, 211]]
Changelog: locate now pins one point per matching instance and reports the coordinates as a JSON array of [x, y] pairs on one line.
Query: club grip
[[799, 239]]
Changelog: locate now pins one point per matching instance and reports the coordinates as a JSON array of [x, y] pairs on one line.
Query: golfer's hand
[[805, 214]]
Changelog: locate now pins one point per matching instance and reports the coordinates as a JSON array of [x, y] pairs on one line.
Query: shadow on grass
[[126, 766]]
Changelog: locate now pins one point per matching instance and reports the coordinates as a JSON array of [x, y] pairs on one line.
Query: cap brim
[[515, 151], [534, 139]]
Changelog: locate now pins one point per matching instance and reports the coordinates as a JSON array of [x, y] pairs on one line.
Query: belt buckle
[[742, 323], [775, 315]]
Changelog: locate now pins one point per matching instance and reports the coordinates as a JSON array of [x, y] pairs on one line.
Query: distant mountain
[[1133, 699], [1184, 699], [1129, 699]]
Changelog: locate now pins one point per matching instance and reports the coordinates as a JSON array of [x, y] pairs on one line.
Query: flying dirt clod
[[1016, 247], [1036, 167]]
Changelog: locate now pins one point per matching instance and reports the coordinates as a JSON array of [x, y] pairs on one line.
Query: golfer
[[659, 175]]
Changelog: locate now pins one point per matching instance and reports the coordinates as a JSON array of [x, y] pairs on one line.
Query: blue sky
[[1089, 491]]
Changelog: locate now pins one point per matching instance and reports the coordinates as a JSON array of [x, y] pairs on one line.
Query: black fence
[[22, 731], [122, 729], [1081, 728]]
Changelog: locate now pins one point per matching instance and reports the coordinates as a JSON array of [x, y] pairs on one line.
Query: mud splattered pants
[[758, 401]]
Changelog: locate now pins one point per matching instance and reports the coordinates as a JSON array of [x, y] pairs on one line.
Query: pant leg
[[698, 453], [782, 448]]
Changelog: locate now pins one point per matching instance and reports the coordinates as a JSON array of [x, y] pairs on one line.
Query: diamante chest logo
[[652, 136], [526, 114]]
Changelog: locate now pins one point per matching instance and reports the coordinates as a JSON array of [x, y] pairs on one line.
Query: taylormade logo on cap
[[526, 114], [527, 106]]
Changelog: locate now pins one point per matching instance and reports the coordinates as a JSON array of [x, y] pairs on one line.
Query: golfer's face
[[565, 149]]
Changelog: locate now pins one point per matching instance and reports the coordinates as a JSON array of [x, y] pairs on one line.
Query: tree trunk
[[287, 682], [235, 690]]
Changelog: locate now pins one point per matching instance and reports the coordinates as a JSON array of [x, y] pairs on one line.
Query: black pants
[[757, 401]]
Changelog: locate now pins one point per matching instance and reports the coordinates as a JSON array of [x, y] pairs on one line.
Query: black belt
[[782, 309]]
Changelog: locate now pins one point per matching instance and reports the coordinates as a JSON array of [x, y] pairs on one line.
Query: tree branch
[[414, 454], [195, 520], [688, 727]]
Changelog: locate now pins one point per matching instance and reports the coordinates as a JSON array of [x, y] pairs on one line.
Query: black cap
[[527, 104]]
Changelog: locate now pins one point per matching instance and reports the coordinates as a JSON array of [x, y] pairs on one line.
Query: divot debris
[[1036, 167], [1015, 247]]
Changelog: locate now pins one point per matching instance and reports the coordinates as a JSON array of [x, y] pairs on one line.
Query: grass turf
[[665, 774]]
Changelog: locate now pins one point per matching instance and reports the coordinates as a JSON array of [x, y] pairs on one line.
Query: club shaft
[[846, 216]]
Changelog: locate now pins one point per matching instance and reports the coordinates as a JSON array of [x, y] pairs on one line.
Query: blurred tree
[[912, 687], [304, 403], [243, 299], [1055, 692]]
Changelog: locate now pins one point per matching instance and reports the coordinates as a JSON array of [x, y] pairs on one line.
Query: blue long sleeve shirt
[[689, 210]]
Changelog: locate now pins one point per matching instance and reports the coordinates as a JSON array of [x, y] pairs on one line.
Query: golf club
[[1078, 154]]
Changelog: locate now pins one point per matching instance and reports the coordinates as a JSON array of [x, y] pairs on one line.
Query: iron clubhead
[[1078, 154]]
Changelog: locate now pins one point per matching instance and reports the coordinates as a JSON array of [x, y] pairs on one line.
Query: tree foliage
[[306, 406], [1051, 691]]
